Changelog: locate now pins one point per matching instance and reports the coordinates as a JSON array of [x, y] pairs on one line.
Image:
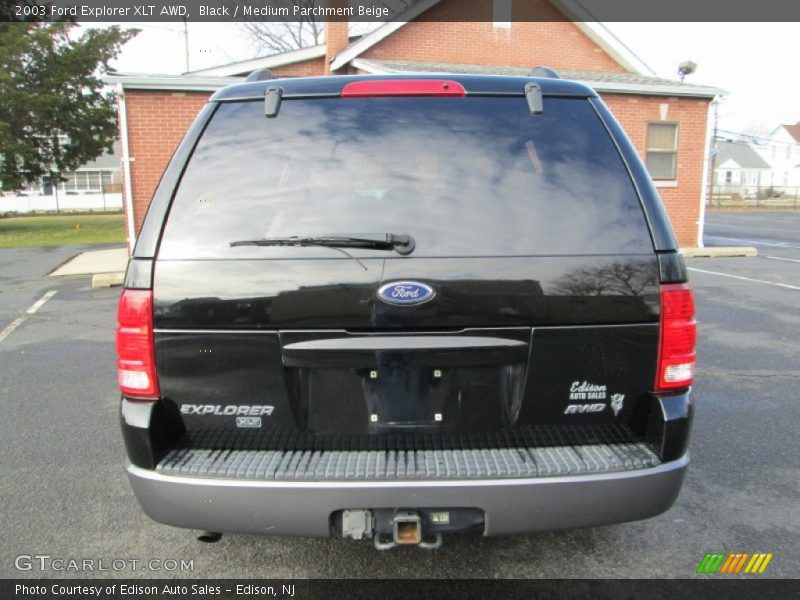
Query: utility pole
[[713, 163], [186, 42]]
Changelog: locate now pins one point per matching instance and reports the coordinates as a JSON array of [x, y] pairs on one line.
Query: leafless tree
[[275, 37], [756, 132], [293, 33]]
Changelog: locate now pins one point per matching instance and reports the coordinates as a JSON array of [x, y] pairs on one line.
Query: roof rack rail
[[272, 101], [533, 94], [260, 75], [544, 72]]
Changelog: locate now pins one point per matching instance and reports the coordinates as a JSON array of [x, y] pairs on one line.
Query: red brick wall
[[682, 202], [549, 41], [307, 68], [337, 35], [157, 121]]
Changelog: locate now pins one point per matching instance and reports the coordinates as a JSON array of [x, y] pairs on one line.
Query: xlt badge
[[402, 293]]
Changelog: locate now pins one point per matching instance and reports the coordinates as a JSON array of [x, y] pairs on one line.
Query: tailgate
[[484, 356]]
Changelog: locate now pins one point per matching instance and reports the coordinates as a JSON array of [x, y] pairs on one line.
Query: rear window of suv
[[466, 177]]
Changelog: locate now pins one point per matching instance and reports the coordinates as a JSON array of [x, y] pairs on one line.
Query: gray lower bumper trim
[[304, 507]]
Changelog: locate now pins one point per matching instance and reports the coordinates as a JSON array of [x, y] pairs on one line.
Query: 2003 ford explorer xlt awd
[[394, 307]]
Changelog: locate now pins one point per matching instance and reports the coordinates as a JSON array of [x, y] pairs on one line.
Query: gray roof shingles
[[742, 154], [588, 76]]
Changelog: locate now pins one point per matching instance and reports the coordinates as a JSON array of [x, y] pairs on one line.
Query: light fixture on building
[[687, 67]]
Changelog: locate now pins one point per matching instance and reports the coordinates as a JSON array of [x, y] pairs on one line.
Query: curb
[[105, 280], [719, 252]]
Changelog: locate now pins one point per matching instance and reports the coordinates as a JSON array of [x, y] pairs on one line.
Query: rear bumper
[[305, 507]]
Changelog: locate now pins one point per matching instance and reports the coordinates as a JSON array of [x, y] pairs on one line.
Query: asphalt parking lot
[[65, 494]]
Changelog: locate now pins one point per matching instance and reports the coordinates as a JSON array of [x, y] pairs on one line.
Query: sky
[[755, 63]]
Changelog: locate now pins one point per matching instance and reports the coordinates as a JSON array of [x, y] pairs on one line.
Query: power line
[[755, 137], [186, 42]]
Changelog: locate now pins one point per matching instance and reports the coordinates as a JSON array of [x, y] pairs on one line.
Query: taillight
[[676, 353], [136, 364], [402, 87]]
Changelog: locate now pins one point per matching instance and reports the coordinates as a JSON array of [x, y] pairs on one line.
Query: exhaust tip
[[209, 537]]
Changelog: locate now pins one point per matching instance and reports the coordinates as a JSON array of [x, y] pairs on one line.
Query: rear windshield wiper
[[400, 243]]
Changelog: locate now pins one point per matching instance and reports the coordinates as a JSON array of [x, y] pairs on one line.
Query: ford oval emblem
[[402, 293]]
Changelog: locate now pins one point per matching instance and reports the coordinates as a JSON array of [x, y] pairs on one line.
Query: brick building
[[667, 121]]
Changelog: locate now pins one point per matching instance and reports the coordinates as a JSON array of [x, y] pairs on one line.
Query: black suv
[[393, 307]]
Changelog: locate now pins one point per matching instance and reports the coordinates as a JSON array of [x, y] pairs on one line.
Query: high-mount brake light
[[676, 352], [402, 87], [136, 365]]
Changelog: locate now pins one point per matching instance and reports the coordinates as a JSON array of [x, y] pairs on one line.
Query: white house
[[782, 152], [739, 170]]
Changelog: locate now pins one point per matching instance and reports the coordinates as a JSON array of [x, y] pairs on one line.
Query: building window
[[82, 182], [728, 176], [501, 14], [662, 150]]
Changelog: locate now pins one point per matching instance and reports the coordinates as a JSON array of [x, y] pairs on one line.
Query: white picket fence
[[66, 202]]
